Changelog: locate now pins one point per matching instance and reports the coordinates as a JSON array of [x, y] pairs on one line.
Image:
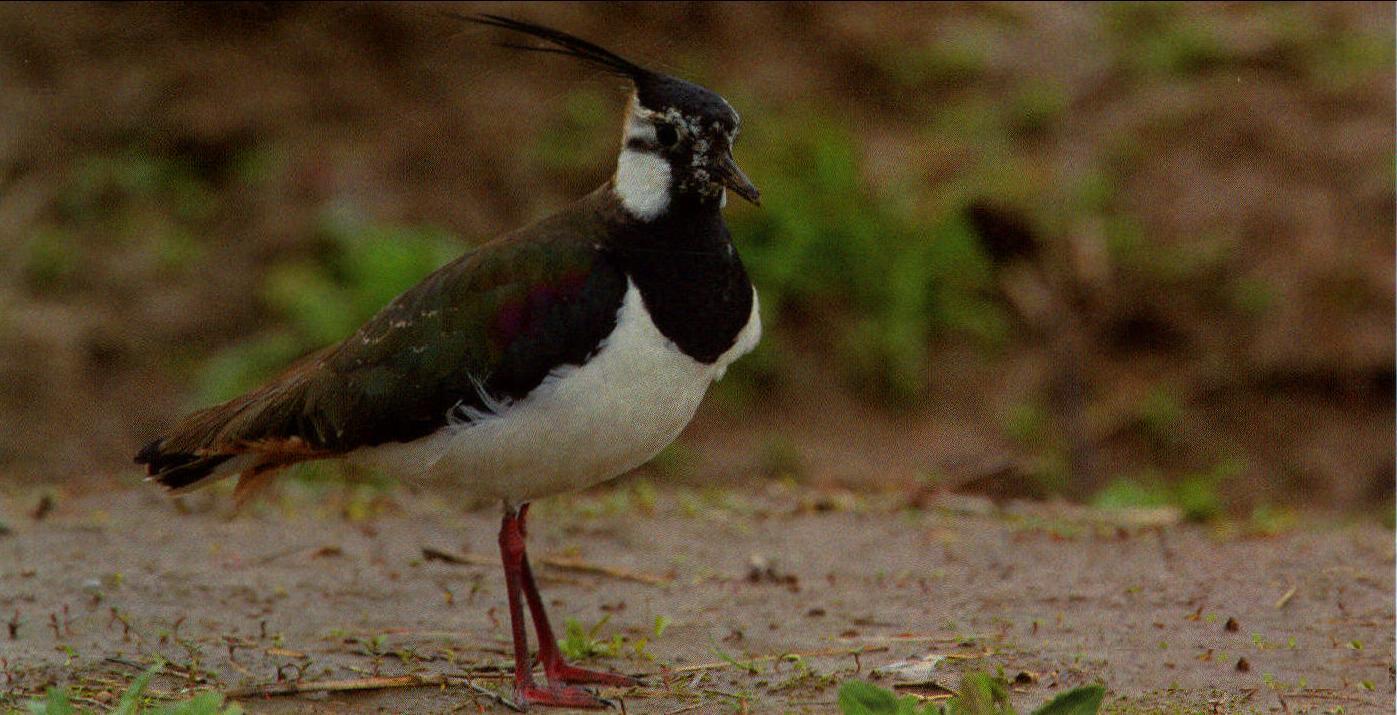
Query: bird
[[552, 358]]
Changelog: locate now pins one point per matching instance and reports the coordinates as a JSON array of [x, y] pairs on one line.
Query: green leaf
[[981, 694], [1085, 700], [206, 703], [661, 623], [579, 643], [131, 699], [575, 644], [56, 703], [723, 655], [858, 697]]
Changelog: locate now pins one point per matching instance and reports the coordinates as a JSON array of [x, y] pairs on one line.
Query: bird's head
[[678, 139]]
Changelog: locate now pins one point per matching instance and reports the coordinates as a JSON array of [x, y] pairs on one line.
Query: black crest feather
[[563, 44]]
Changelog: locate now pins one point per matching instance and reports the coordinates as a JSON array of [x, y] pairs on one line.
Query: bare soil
[[333, 584]]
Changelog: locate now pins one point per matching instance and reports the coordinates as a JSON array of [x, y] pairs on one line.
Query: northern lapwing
[[547, 360]]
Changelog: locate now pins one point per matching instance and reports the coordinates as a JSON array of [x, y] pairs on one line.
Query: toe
[[560, 697]]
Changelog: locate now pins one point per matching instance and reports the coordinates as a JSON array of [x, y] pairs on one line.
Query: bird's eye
[[666, 135]]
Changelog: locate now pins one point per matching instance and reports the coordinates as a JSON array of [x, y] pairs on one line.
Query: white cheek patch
[[640, 129], [642, 183]]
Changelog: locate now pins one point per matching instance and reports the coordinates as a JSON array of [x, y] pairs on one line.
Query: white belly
[[581, 425]]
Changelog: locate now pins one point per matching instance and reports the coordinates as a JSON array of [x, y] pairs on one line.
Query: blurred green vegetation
[[134, 700], [1031, 427], [319, 302], [1162, 40], [979, 693], [1196, 495], [866, 251], [865, 266], [147, 206]]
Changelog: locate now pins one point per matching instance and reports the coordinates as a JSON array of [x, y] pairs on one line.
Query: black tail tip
[[149, 453], [177, 474], [177, 470]]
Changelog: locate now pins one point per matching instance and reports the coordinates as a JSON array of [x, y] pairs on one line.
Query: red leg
[[526, 692], [557, 669]]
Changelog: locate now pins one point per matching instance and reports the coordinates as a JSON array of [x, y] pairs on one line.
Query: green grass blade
[[1085, 700], [858, 697], [981, 694], [55, 703], [131, 699], [206, 703]]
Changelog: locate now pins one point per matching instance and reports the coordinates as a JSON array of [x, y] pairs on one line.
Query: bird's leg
[[557, 669], [526, 692]]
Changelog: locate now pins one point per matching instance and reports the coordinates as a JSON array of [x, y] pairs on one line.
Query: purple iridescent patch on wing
[[525, 315]]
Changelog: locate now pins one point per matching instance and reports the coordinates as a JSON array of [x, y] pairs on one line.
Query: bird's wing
[[484, 329]]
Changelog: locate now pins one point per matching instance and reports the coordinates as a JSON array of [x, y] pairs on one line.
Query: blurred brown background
[[1130, 254]]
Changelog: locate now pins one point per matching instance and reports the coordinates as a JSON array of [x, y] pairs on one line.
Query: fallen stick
[[909, 638], [431, 553], [268, 558], [925, 685], [125, 662], [969, 656], [292, 687], [284, 653], [686, 708], [1329, 694], [565, 563], [575, 564], [828, 652]]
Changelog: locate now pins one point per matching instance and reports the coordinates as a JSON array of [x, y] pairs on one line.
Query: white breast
[[582, 425]]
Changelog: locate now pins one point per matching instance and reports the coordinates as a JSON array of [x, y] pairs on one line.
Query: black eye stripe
[[666, 135]]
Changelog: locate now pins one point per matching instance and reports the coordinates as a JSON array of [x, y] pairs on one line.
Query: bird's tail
[[181, 471], [252, 437]]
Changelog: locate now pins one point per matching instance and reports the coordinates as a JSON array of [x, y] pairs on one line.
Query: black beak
[[733, 178]]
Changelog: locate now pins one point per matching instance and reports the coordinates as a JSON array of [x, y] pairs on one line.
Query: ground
[[330, 584]]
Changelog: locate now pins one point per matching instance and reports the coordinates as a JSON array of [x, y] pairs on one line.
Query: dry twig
[[432, 553], [763, 658], [379, 683], [565, 563]]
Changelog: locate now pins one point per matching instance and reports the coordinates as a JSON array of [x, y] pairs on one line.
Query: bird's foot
[[564, 673], [559, 696]]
